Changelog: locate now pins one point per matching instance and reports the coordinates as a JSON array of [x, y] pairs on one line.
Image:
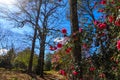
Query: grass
[[13, 75], [55, 74], [17, 75]]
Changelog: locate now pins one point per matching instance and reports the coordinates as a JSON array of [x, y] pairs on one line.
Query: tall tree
[[34, 37], [27, 13], [41, 15], [77, 43], [49, 14]]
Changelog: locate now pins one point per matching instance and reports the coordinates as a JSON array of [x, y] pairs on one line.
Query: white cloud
[[3, 51]]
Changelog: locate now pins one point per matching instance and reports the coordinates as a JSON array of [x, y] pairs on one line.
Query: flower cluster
[[100, 25]]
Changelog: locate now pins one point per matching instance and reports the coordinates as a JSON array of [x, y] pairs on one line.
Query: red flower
[[117, 23], [102, 75], [62, 72], [103, 2], [118, 44], [102, 25], [59, 45], [68, 50], [92, 68], [64, 31], [110, 19], [75, 73]]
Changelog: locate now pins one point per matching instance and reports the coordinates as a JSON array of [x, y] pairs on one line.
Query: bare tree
[[43, 16], [49, 14], [34, 37]]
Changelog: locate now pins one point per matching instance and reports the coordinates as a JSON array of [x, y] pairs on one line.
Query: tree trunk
[[77, 45], [40, 65], [32, 52], [34, 38]]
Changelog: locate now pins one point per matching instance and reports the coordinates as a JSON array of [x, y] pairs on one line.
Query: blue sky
[[5, 24], [64, 24]]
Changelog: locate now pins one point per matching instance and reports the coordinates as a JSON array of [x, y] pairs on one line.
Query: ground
[[18, 75]]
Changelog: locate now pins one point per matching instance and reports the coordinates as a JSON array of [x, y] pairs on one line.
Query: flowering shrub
[[104, 63]]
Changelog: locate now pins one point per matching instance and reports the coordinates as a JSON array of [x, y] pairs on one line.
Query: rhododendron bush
[[103, 64]]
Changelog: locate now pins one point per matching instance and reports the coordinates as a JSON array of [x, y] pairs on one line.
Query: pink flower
[[75, 73], [103, 2], [59, 45], [118, 44], [102, 25], [64, 31], [110, 19]]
